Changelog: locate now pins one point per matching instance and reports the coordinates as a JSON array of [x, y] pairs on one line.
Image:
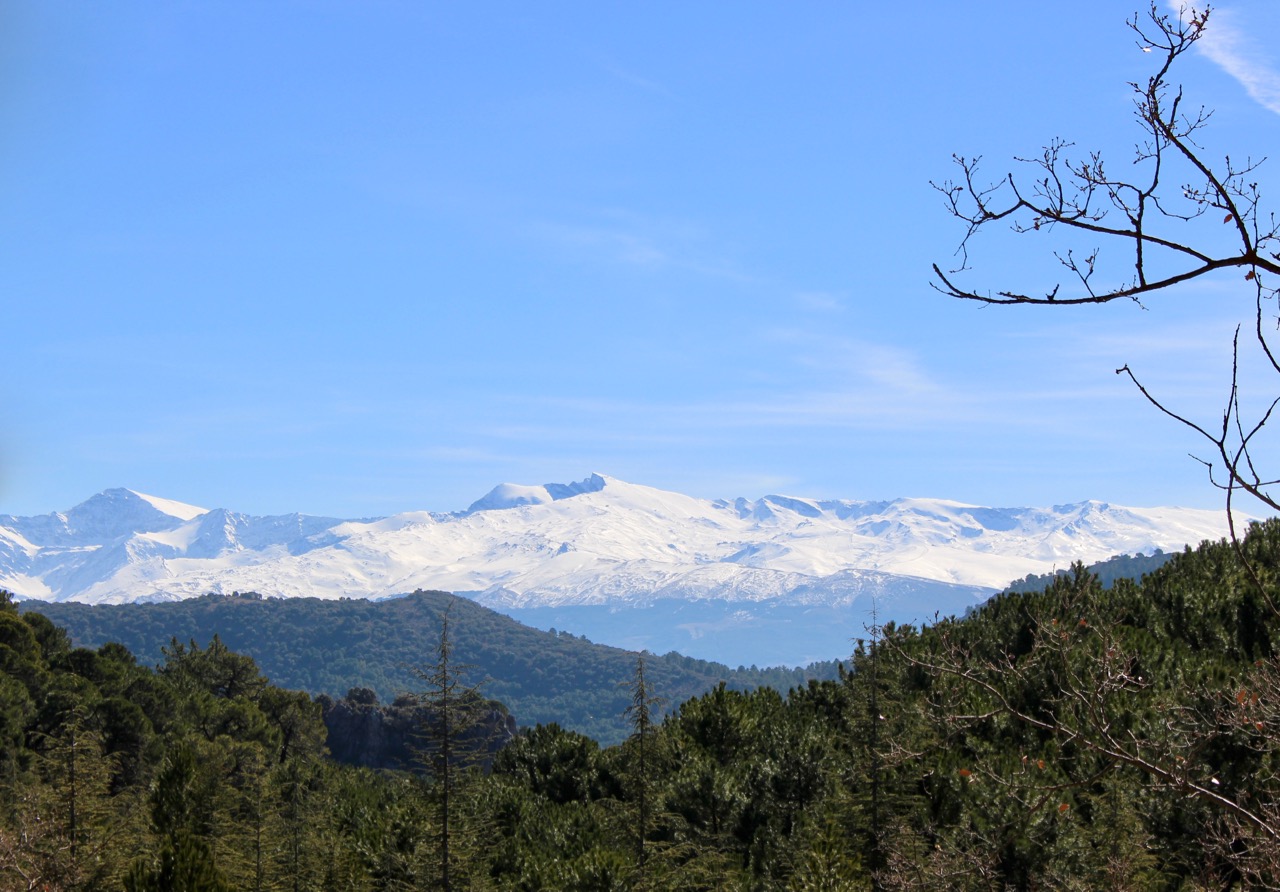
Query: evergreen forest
[[1075, 737], [329, 647]]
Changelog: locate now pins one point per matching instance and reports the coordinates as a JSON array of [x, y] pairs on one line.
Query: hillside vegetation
[[329, 647], [1121, 566], [1080, 737]]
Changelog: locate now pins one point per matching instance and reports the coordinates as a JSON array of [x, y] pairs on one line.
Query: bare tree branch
[[1145, 217]]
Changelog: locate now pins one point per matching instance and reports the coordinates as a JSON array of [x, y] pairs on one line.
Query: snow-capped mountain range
[[600, 541]]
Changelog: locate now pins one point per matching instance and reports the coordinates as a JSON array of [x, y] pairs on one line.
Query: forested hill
[[329, 647], [1108, 572], [1080, 737]]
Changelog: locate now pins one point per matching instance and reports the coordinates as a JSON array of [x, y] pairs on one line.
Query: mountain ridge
[[598, 541]]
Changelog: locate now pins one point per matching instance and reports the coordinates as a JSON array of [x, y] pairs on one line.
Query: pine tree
[[295, 822], [185, 864], [643, 760], [78, 777], [453, 742], [182, 815]]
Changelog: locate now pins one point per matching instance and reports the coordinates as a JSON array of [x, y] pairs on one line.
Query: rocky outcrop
[[403, 735]]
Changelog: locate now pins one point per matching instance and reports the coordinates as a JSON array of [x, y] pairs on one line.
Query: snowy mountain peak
[[106, 517], [120, 503], [515, 495], [180, 510], [116, 512], [596, 541]]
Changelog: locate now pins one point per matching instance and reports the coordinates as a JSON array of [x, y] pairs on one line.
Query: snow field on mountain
[[599, 541]]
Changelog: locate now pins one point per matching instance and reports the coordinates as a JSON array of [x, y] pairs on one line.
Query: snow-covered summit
[[514, 495], [597, 541], [103, 518], [180, 510]]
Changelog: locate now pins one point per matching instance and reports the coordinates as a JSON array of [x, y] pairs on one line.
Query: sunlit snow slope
[[600, 541]]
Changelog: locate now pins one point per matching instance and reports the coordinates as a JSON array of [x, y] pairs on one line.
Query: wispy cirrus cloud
[[633, 79], [634, 240], [620, 245], [1228, 43], [819, 301]]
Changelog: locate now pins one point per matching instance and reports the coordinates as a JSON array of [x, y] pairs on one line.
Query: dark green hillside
[[1121, 566], [1079, 737], [329, 647]]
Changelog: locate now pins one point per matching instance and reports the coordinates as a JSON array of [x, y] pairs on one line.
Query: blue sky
[[358, 258]]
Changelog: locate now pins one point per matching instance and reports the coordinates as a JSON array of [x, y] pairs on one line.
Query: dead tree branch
[[1142, 222]]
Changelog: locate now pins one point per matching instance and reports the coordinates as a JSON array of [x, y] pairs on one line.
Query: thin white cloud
[[635, 80], [1228, 43], [618, 245], [819, 301], [634, 240], [833, 383], [884, 368]]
